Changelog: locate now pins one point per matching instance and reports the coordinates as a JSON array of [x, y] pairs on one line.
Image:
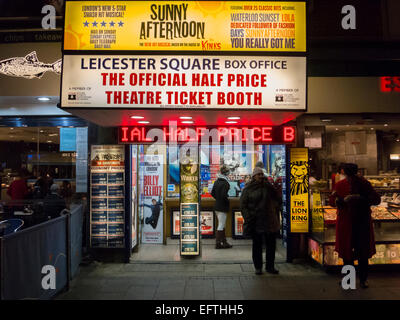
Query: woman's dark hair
[[350, 169]]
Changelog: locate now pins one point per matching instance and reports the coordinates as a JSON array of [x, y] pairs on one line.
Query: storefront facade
[[41, 138], [166, 100], [370, 139], [338, 88]]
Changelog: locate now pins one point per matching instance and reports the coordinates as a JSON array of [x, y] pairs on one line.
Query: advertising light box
[[186, 26], [299, 190], [206, 135], [107, 211], [183, 82]]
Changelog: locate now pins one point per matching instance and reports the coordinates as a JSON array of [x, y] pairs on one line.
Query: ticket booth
[[155, 187], [163, 89]]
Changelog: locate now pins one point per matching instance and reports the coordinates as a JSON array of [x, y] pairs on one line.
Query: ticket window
[[159, 178], [240, 159]]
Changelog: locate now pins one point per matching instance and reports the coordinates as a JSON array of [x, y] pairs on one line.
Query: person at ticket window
[[260, 203], [155, 212], [220, 194]]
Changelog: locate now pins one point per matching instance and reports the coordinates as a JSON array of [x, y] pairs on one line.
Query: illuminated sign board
[[390, 84], [255, 134], [299, 190], [182, 82], [274, 26]]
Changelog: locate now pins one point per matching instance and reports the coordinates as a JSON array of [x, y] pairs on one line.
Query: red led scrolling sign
[[390, 84], [255, 134]]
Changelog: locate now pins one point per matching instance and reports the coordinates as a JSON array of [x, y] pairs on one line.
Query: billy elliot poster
[[152, 199]]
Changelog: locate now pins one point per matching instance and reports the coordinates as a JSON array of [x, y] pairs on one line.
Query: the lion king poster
[[299, 195]]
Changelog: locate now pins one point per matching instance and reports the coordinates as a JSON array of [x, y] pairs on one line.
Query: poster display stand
[[207, 223], [107, 196], [189, 203]]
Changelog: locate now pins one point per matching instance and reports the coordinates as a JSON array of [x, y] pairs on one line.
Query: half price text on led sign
[[255, 134]]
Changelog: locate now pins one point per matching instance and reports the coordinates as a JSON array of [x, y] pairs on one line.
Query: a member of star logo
[[94, 24], [112, 23], [120, 23], [103, 24], [86, 24]]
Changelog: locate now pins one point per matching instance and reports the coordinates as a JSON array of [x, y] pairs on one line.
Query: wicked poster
[[189, 202]]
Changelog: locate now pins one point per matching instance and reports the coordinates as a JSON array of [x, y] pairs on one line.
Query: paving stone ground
[[221, 281]]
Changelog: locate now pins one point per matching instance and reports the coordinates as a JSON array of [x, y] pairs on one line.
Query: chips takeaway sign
[[213, 82]]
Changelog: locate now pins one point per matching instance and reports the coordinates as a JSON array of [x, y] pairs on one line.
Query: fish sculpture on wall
[[28, 67]]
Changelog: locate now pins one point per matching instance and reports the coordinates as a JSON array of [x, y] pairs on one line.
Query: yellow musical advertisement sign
[[269, 26], [299, 195], [317, 213]]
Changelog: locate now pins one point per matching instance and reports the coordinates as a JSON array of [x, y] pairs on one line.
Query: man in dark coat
[[354, 229], [260, 203], [220, 194], [53, 203]]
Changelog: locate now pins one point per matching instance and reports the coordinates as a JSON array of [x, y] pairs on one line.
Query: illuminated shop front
[[158, 177], [225, 99]]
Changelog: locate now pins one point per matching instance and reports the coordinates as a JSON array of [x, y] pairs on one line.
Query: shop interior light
[[43, 99], [336, 129], [233, 118], [385, 125], [185, 118], [144, 122], [372, 128], [11, 128], [230, 122], [49, 141], [137, 117], [187, 121], [326, 119], [368, 119]]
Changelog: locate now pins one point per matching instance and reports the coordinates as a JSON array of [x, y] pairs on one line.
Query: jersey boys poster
[[152, 199], [186, 25], [212, 82]]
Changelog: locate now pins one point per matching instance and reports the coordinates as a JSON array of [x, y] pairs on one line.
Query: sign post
[[189, 202]]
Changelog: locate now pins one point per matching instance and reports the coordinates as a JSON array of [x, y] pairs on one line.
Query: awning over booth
[[157, 117]]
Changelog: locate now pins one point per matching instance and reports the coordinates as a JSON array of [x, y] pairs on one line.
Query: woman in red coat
[[354, 230], [18, 191]]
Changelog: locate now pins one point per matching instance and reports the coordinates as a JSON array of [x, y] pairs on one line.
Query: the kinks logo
[[206, 45]]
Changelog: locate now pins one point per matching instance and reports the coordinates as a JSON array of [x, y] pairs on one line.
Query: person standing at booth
[[355, 240], [220, 193], [260, 203]]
